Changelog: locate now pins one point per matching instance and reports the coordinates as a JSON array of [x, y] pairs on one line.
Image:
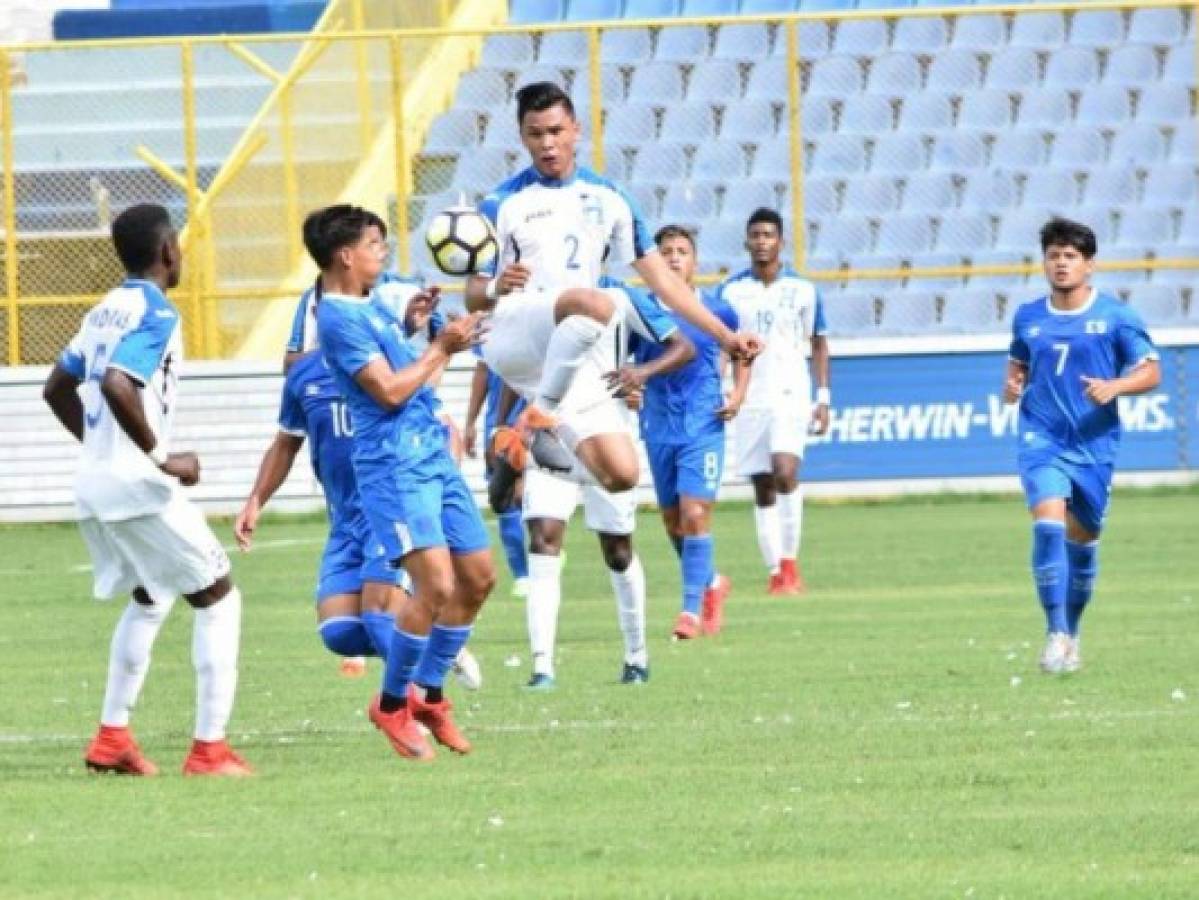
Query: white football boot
[[1053, 657], [467, 670], [1073, 658]]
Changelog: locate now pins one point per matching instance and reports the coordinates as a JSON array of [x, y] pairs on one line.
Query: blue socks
[[512, 536], [445, 642], [379, 625], [403, 654], [345, 636], [1084, 566], [697, 570], [1050, 571]]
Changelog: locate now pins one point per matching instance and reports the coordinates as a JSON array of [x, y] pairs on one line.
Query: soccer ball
[[461, 240]]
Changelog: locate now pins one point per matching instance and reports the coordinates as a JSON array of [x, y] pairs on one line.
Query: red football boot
[[436, 717], [401, 729], [113, 749], [711, 618], [215, 758]]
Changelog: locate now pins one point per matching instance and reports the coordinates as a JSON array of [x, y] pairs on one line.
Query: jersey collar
[[546, 181], [346, 298], [1057, 311]]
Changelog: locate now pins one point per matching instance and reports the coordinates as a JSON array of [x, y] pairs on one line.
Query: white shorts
[[759, 433], [169, 553], [547, 496]]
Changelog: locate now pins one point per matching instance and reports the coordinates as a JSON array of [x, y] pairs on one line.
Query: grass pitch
[[886, 735]]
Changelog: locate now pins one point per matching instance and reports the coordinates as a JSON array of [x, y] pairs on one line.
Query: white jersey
[[137, 330], [564, 230], [787, 314]]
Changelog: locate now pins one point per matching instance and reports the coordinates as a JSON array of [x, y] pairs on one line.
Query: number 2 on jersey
[[572, 252]]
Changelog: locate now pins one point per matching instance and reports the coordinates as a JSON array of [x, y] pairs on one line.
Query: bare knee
[[693, 519], [620, 477], [545, 536], [618, 551], [214, 593]]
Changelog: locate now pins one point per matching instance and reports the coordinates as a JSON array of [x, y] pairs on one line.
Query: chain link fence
[[920, 149]]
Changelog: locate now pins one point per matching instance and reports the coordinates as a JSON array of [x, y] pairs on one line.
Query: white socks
[[541, 609], [215, 638], [790, 507], [129, 658], [629, 586], [769, 538], [570, 343]]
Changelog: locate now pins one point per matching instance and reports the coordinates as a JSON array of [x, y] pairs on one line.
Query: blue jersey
[[355, 331], [680, 406], [312, 407], [1103, 339], [393, 291], [647, 320]]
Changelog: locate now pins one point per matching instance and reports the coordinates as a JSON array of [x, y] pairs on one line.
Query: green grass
[[886, 736]]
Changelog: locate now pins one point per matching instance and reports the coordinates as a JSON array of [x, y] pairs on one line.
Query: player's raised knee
[[584, 302]]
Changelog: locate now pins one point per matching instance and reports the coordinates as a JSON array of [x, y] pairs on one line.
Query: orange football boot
[[113, 749], [215, 758], [436, 717]]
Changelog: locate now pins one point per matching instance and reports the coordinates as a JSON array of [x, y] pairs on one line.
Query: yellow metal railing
[[325, 100]]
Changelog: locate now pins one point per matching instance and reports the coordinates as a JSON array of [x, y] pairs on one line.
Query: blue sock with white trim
[[379, 625], [1084, 566], [445, 643], [697, 570], [402, 657], [1050, 571], [345, 636]]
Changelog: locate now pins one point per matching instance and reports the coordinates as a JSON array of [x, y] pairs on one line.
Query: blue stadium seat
[[1048, 107], [1167, 104], [957, 151], [909, 312], [839, 154], [745, 43], [883, 4], [1078, 148], [1019, 231], [1113, 186], [817, 116], [616, 165], [631, 125], [650, 9], [501, 130], [833, 76], [820, 197], [926, 112], [523, 12], [1072, 67], [1098, 28], [1038, 30], [871, 195], [659, 164], [688, 202], [843, 237], [688, 123], [658, 83], [540, 73], [985, 111], [860, 37], [929, 192], [990, 189], [1145, 228], [716, 81], [710, 8], [482, 169], [1104, 105], [722, 244], [768, 81], [454, 130], [1179, 67], [647, 200], [986, 32], [1182, 145], [815, 41], [955, 71], [1172, 185], [1158, 304], [905, 234], [507, 51], [750, 122], [773, 160], [895, 75], [850, 312], [1137, 144], [626, 46], [1134, 65], [1101, 221], [1014, 68], [611, 86], [765, 7], [741, 202], [563, 48], [482, 89], [683, 44], [1051, 190], [898, 154], [594, 10], [719, 161], [920, 35], [824, 5], [1019, 149], [938, 3], [971, 310], [867, 114], [1155, 26]]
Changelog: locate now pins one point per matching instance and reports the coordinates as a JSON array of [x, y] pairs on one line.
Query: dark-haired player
[[114, 389], [1074, 353]]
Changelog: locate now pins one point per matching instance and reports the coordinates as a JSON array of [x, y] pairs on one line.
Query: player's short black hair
[[329, 229], [537, 96], [763, 215], [666, 232], [138, 234], [1060, 232]]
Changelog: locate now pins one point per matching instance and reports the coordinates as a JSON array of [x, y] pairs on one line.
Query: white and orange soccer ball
[[460, 240]]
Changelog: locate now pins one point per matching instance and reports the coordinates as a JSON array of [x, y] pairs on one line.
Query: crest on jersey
[[1096, 326], [593, 210], [1032, 331]]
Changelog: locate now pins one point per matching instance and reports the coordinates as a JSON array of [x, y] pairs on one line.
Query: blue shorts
[[1085, 488], [415, 511], [352, 557], [691, 469]]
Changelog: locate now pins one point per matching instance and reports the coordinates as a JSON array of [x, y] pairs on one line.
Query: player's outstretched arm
[[474, 405], [272, 472], [820, 376], [735, 399], [61, 394], [123, 396], [1145, 377], [390, 388], [1014, 381], [675, 293]]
